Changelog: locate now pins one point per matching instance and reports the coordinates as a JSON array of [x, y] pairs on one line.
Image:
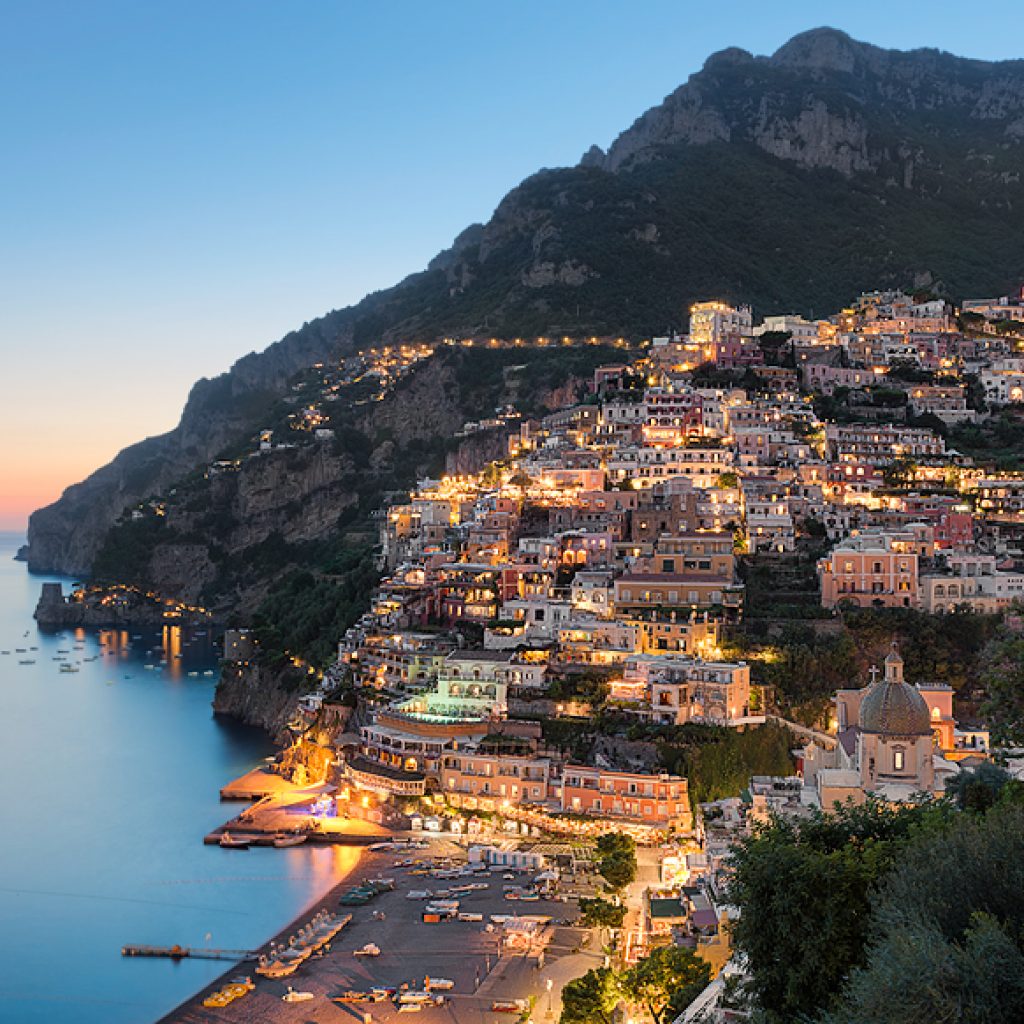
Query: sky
[[183, 183]]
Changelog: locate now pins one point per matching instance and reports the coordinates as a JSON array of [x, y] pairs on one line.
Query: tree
[[948, 927], [599, 913], [727, 480], [977, 789], [617, 859], [590, 999], [803, 889], [666, 981]]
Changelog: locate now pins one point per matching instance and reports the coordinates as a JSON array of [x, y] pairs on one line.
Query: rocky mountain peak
[[824, 49]]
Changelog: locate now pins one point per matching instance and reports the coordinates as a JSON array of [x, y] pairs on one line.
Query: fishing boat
[[370, 949], [26, 661], [291, 996], [282, 841], [230, 842]]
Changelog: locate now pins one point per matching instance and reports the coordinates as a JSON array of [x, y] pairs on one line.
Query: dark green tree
[[947, 930], [977, 789], [590, 999], [666, 981], [599, 913], [803, 889]]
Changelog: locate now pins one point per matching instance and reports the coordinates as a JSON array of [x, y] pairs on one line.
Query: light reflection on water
[[110, 780]]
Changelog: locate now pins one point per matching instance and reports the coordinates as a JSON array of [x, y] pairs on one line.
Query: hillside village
[[606, 573]]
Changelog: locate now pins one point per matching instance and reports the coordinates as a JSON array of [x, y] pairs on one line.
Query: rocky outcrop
[[476, 451], [258, 695], [54, 610]]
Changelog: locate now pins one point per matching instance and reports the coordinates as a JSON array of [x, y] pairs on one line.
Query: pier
[[188, 952]]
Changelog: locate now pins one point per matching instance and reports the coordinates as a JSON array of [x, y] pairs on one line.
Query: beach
[[464, 953]]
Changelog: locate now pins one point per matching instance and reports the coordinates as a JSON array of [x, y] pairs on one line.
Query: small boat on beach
[[370, 949], [291, 996], [230, 842]]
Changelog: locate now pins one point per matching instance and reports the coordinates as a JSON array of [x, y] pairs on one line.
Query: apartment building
[[653, 799]]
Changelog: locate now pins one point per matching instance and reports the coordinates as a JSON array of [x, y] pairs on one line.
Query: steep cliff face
[[790, 182], [257, 695], [824, 100], [66, 536]]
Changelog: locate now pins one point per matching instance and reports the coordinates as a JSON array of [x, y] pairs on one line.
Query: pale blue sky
[[184, 182]]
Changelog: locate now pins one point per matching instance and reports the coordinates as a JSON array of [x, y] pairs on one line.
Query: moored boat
[[230, 842]]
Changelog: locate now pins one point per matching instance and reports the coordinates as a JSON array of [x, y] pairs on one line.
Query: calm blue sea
[[108, 782]]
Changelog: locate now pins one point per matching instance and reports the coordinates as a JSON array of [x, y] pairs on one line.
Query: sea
[[109, 779]]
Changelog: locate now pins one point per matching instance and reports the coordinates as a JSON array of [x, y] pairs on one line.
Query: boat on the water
[[230, 842], [281, 841]]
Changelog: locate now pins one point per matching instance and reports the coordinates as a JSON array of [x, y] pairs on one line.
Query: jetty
[[189, 952]]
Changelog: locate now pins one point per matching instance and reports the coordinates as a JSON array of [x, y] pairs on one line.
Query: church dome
[[894, 708]]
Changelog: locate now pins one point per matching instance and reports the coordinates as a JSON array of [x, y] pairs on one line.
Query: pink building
[[653, 799], [872, 570]]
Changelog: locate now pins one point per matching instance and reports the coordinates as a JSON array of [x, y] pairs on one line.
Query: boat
[[351, 996], [508, 1005], [370, 949], [230, 842], [469, 917], [26, 661], [282, 841], [70, 668], [291, 996], [441, 984], [418, 894], [419, 998]]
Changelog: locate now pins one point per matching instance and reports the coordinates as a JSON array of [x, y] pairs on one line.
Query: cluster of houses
[[603, 549]]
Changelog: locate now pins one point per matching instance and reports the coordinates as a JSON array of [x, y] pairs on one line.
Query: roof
[[367, 767], [894, 708], [673, 577], [663, 907], [704, 919], [848, 740], [480, 656]]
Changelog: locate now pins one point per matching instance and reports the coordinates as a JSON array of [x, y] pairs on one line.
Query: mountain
[[791, 182]]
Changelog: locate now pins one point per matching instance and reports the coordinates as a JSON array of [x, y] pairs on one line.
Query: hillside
[[285, 535], [791, 182]]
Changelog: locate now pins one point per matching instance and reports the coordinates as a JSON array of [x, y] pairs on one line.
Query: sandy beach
[[465, 953]]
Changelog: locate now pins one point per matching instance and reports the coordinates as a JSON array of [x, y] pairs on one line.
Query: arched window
[[899, 759]]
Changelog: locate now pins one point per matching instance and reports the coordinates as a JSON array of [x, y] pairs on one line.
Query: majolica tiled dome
[[894, 708]]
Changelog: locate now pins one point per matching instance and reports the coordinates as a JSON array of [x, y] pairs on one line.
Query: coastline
[[192, 1011]]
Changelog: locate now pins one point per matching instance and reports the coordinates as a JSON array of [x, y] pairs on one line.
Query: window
[[898, 760]]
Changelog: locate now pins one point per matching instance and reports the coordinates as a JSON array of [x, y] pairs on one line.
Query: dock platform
[[188, 953]]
